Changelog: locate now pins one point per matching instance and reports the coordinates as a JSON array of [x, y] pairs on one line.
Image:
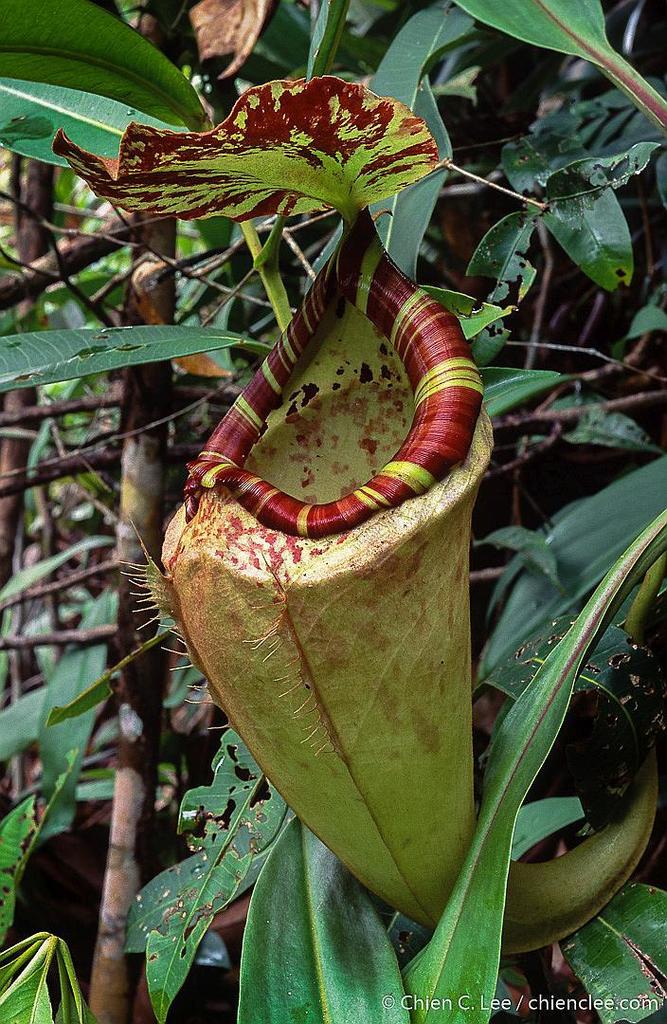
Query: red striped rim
[[443, 377]]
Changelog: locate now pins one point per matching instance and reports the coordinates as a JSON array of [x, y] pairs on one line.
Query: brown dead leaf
[[224, 27], [202, 365]]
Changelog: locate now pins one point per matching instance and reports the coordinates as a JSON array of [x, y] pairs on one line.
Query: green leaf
[[464, 953], [423, 40], [287, 147], [553, 142], [593, 175], [337, 956], [502, 254], [42, 357], [241, 815], [33, 112], [586, 536], [164, 891], [98, 690], [19, 723], [530, 545], [80, 46], [326, 36], [32, 574], [24, 997], [26, 1000], [661, 177], [70, 991], [611, 430], [16, 831], [574, 27], [587, 220], [542, 818], [648, 318], [71, 675], [474, 315], [629, 691], [505, 388], [621, 957]]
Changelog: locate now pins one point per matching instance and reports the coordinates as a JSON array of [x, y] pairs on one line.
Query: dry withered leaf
[[232, 27]]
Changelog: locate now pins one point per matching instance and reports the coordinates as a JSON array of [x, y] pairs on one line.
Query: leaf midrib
[[98, 62], [74, 115]]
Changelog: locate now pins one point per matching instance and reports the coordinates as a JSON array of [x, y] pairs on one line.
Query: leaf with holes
[[473, 316], [43, 357], [16, 832], [552, 142], [287, 147], [229, 823], [628, 693], [622, 952], [586, 219], [611, 430], [502, 254]]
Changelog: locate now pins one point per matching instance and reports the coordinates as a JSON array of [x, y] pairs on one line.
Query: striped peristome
[[445, 381]]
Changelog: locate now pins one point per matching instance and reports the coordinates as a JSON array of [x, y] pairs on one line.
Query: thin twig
[[527, 422], [541, 303], [299, 253], [621, 363], [72, 579], [37, 413], [80, 637], [528, 455], [451, 166], [486, 575]]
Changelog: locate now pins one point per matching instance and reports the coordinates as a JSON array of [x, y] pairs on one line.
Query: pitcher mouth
[[444, 380]]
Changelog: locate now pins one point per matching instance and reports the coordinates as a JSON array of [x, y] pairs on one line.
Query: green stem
[[327, 36], [265, 261], [643, 95], [635, 623]]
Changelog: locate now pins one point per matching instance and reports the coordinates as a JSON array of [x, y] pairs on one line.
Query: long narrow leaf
[[575, 27], [32, 113], [334, 963], [43, 357], [80, 46], [421, 41], [464, 953]]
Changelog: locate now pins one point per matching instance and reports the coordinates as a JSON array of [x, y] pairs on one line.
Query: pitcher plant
[[318, 568]]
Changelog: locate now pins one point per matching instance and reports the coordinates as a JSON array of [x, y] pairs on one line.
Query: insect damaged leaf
[[231, 823], [622, 950], [17, 830], [627, 691], [287, 147]]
